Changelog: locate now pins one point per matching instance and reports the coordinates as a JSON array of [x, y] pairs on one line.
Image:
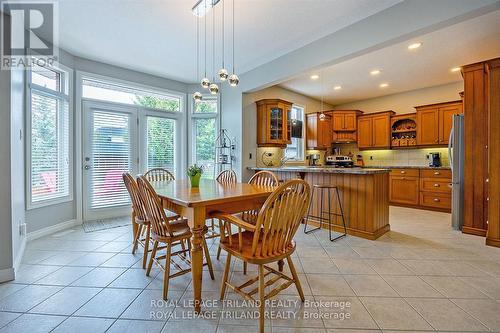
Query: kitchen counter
[[364, 193], [323, 169], [408, 167]]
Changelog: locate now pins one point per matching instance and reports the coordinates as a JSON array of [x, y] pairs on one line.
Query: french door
[[120, 139]]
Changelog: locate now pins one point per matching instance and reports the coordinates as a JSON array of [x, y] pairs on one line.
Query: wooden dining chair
[[143, 226], [269, 240], [168, 231], [159, 175], [226, 177]]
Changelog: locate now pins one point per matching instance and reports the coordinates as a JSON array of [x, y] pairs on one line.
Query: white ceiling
[[159, 36], [464, 43]]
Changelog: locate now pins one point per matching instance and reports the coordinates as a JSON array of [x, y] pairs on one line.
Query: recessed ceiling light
[[414, 46], [375, 72], [337, 87], [455, 69], [314, 77], [383, 85]]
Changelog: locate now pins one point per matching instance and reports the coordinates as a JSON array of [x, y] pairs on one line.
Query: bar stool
[[325, 188]]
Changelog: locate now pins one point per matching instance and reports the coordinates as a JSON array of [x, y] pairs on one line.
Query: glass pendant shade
[[233, 80], [197, 96], [214, 89], [205, 83], [223, 74], [322, 116]]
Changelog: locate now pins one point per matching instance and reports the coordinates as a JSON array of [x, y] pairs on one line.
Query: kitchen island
[[364, 193]]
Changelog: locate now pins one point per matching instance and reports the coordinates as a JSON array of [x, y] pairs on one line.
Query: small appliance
[[434, 159], [314, 159], [339, 161]]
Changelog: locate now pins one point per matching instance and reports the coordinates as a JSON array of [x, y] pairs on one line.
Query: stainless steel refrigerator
[[456, 156]]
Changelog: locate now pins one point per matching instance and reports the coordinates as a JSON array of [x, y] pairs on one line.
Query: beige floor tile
[[411, 286], [329, 285], [388, 267], [345, 312], [488, 285], [453, 287], [31, 323], [7, 317], [443, 315], [369, 285], [322, 266], [486, 311], [66, 301], [64, 276], [26, 298], [109, 303], [394, 314], [353, 266], [84, 324], [134, 326], [425, 267]]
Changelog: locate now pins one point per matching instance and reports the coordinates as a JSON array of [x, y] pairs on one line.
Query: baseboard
[[474, 231], [53, 229], [7, 275], [493, 242]]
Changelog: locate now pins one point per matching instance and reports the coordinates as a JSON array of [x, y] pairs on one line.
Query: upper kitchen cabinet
[[319, 131], [374, 130], [273, 123], [344, 125], [435, 122]]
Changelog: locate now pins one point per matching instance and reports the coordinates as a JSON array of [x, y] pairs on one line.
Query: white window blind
[[161, 143], [49, 174]]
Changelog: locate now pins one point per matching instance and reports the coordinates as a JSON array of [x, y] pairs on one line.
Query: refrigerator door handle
[[450, 155]]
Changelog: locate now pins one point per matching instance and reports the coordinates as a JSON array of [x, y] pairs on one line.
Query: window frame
[[193, 116], [66, 94], [300, 145]]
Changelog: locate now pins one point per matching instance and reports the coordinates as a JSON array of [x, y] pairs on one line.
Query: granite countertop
[[408, 167], [302, 168]]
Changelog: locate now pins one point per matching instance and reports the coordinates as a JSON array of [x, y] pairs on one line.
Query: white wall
[[405, 102]]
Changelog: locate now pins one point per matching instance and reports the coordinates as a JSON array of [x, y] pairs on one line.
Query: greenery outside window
[[204, 127]]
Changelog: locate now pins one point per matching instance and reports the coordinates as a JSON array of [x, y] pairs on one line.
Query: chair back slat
[[280, 217], [133, 191], [154, 208], [227, 177], [264, 178], [159, 175]]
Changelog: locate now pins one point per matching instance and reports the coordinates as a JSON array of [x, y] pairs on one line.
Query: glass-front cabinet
[[274, 127]]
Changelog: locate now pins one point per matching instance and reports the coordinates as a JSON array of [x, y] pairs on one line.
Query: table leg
[[196, 217]]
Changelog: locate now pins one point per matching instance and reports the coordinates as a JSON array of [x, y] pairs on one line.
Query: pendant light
[[197, 96], [223, 74], [233, 78], [205, 82], [214, 88]]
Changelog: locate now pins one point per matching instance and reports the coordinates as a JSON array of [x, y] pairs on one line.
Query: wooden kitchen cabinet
[[434, 122], [318, 132], [273, 123], [374, 130], [344, 125], [403, 190]]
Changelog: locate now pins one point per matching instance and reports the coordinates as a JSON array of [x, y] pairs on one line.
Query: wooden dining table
[[198, 204]]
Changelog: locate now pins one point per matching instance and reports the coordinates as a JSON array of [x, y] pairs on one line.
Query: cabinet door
[[365, 132], [428, 127], [446, 121], [350, 122], [288, 114], [403, 190], [312, 131], [381, 131], [276, 128], [338, 122], [326, 132]]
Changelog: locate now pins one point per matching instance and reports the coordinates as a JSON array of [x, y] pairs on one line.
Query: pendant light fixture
[[214, 88], [233, 78], [223, 74], [197, 96], [205, 82]]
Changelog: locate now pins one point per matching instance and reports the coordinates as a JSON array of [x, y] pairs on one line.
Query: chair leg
[[295, 278], [166, 274], [262, 293], [245, 268], [183, 246], [153, 255], [209, 261], [225, 276], [218, 252], [146, 246], [136, 238]]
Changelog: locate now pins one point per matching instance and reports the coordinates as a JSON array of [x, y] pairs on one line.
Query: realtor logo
[[28, 33]]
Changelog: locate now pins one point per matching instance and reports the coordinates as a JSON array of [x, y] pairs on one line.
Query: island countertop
[[323, 169]]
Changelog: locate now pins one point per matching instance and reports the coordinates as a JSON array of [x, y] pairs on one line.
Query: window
[[48, 124], [118, 93], [204, 132], [295, 150], [160, 143]]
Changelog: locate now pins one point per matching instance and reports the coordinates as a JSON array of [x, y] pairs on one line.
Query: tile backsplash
[[396, 157]]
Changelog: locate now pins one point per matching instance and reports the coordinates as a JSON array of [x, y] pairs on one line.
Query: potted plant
[[194, 173]]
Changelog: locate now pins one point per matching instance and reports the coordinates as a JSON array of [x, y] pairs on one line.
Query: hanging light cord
[[223, 53], [197, 47], [233, 38], [213, 42], [205, 21]]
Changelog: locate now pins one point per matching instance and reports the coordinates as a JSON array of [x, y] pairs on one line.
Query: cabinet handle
[[436, 185], [437, 173], [436, 200], [403, 172], [437, 141]]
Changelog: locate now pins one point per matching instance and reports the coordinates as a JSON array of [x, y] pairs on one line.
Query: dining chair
[[267, 241], [159, 175], [139, 217], [226, 177], [168, 231]]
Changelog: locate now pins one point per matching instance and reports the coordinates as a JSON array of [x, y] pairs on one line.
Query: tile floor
[[422, 276]]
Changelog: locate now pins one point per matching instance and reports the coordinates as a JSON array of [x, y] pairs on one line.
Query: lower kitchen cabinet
[[403, 190]]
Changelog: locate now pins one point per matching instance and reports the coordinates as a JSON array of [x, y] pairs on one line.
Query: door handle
[[87, 167]]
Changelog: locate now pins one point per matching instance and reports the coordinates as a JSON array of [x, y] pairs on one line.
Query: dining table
[[197, 204]]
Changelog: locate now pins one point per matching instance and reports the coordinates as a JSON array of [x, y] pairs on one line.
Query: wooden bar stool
[[326, 188]]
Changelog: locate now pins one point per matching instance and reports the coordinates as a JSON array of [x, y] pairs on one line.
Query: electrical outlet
[[250, 156], [371, 157], [22, 229]]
